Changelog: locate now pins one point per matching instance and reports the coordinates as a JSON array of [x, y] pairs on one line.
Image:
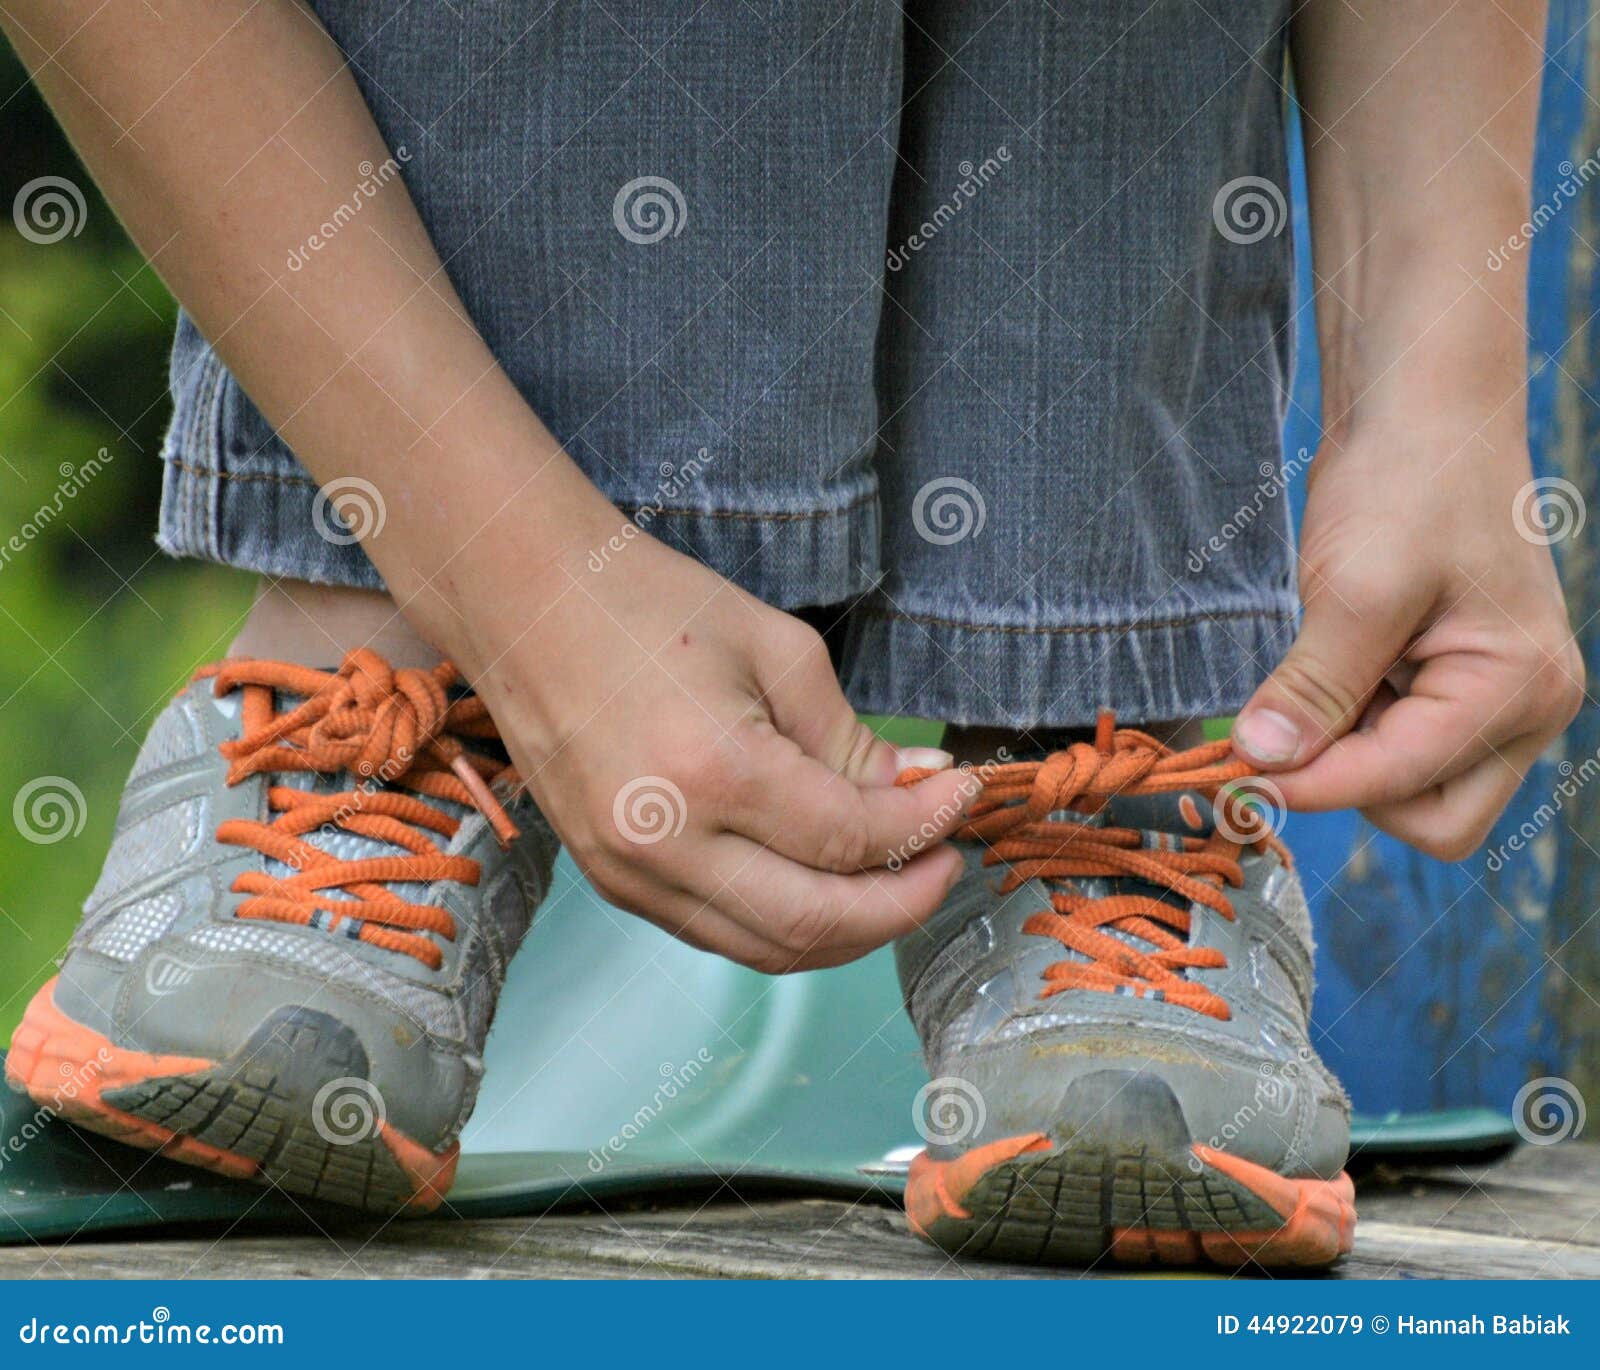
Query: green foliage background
[[97, 628]]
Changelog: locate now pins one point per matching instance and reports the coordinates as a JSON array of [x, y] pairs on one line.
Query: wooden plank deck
[[1534, 1215]]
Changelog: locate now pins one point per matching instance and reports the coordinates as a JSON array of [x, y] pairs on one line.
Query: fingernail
[[1267, 736], [923, 759], [955, 876]]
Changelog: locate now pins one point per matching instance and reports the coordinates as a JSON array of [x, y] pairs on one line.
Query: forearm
[[1420, 122], [226, 134]]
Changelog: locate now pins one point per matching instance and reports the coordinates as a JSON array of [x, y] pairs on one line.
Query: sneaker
[[1117, 1028], [287, 970]]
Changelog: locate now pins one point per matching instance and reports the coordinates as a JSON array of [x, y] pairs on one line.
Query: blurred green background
[[98, 628]]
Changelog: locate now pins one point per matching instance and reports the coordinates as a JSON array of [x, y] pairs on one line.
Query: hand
[[1434, 627], [693, 750]]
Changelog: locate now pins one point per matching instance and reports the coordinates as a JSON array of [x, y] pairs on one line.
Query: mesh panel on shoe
[[127, 932], [175, 736], [158, 842]]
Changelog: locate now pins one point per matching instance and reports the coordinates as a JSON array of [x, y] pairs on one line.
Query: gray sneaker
[[289, 965], [1113, 1005]]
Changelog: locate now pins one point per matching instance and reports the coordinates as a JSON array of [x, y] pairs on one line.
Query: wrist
[[1425, 361], [477, 554]]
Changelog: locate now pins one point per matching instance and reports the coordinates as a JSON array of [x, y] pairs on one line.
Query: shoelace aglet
[[1105, 730], [483, 798]]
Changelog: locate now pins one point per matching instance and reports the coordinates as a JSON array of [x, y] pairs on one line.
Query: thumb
[[1319, 689], [809, 708]]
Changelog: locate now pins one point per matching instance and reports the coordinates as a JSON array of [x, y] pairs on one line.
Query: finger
[[690, 918], [807, 911], [807, 706], [1452, 820], [774, 916], [803, 810], [1344, 648], [1405, 746]]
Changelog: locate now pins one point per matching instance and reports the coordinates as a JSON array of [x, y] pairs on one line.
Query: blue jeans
[[969, 318]]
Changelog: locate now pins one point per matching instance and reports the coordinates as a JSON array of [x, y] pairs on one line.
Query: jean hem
[[265, 522], [1203, 663]]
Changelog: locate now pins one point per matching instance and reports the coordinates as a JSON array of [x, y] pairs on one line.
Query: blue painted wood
[[1436, 985]]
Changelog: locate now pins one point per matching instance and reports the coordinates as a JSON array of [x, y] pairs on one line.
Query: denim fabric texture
[[970, 318]]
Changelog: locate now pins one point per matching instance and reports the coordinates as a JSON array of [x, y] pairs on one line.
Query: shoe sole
[[272, 1112], [1026, 1199]]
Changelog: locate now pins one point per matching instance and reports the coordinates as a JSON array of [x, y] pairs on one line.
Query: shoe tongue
[[1163, 819], [1185, 813]]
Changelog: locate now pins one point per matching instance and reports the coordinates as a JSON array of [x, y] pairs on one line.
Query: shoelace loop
[[394, 729], [1011, 816]]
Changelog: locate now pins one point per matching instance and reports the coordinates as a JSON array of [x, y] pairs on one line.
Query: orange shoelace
[[392, 728], [1012, 817]]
